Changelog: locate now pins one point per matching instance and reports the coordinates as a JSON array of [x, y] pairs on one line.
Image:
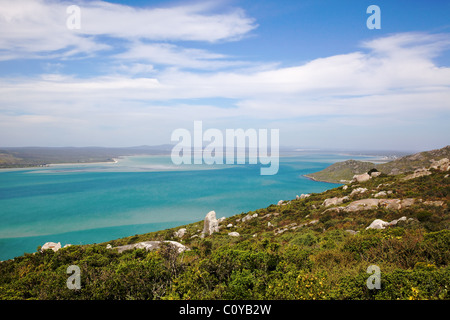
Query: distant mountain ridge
[[344, 171]]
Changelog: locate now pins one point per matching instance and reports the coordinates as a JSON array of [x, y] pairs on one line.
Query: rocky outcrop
[[52, 246], [151, 245], [363, 204], [375, 174], [180, 233], [358, 191], [371, 203], [361, 177], [334, 201], [442, 165], [380, 224], [210, 224], [382, 193], [418, 173], [249, 217], [302, 196], [438, 203]]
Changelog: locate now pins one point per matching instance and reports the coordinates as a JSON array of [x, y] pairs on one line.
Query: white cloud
[[172, 55], [391, 81], [37, 28]]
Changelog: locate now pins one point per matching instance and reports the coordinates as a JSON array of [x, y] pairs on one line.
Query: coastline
[[47, 165], [317, 180]]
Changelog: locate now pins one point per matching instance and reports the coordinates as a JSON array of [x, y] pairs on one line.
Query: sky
[[129, 73]]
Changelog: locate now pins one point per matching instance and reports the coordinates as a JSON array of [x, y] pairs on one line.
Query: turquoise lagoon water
[[92, 203]]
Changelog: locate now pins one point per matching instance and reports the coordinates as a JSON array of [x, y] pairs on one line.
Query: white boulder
[[249, 217], [378, 224], [151, 245], [210, 224], [180, 233], [358, 191], [234, 234], [51, 245], [375, 174], [333, 201], [361, 177]]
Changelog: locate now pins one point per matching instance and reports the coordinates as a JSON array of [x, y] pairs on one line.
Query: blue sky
[[137, 70]]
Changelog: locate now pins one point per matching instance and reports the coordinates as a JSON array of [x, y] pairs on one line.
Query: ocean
[[98, 202]]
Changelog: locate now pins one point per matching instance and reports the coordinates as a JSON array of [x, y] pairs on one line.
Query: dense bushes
[[414, 265]]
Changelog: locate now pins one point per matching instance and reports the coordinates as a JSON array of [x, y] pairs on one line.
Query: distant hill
[[39, 156], [340, 171]]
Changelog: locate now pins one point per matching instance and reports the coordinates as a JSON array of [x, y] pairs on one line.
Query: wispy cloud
[[155, 77], [37, 28]]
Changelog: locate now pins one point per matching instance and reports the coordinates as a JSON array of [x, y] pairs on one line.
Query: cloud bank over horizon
[[134, 82]]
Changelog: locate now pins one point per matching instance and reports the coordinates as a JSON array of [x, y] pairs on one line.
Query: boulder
[[234, 234], [358, 191], [378, 224], [361, 177], [375, 174], [51, 245], [280, 203], [394, 222], [418, 173], [333, 201], [363, 204], [249, 217], [180, 233], [394, 204], [380, 194], [210, 224], [230, 225], [151, 245]]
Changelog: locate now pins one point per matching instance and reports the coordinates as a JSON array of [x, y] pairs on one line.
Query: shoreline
[[316, 180], [48, 165]]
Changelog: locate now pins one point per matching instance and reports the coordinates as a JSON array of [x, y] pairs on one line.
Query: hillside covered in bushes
[[317, 246]]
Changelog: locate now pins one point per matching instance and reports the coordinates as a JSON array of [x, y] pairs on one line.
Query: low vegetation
[[295, 250]]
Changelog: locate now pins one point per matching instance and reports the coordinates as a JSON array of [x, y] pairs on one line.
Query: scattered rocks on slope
[[151, 245], [249, 217]]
